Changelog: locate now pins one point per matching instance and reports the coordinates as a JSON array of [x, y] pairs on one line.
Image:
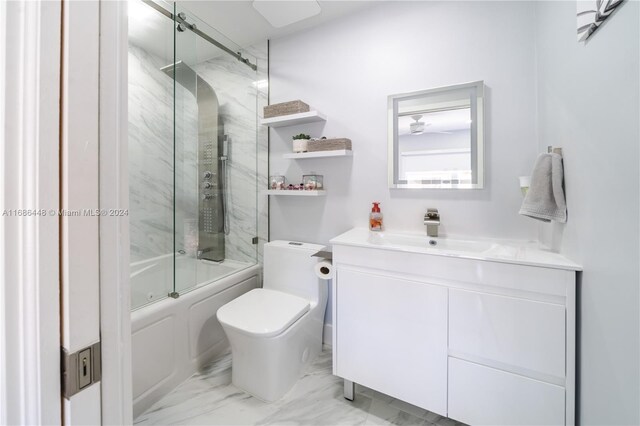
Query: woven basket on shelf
[[328, 144], [285, 108]]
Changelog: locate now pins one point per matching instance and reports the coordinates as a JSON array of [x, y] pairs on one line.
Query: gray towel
[[545, 198]]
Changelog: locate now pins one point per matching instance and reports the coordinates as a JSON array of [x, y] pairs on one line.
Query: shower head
[[184, 75]]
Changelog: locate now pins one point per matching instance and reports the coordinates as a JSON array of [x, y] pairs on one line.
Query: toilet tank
[[288, 267]]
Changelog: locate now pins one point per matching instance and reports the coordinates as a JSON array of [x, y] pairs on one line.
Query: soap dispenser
[[375, 217]]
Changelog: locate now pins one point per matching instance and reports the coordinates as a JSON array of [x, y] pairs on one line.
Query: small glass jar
[[277, 182], [312, 182]]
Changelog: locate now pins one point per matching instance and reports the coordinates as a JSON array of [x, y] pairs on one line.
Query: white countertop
[[504, 251]]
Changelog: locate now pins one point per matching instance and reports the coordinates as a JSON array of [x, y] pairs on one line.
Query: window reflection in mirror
[[435, 138]]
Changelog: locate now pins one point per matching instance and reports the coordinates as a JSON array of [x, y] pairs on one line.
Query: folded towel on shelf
[[545, 199]]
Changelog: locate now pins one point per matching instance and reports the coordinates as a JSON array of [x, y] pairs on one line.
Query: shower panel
[[211, 217]]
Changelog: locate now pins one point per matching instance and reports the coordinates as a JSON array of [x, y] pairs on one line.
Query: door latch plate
[[80, 369]]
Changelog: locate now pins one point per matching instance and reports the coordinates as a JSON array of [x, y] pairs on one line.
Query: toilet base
[[267, 368]]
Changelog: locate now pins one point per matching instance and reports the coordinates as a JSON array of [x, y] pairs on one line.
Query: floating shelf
[[299, 193], [293, 119], [320, 154]]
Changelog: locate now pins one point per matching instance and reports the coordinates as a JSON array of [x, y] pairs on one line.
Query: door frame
[[30, 48], [45, 298]]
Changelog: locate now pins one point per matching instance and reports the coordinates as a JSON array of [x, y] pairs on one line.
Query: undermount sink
[[519, 252]]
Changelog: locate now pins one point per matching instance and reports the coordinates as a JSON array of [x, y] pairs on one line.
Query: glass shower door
[[215, 147], [151, 151]]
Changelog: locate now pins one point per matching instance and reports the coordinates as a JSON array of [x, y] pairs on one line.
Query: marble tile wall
[[150, 156], [151, 152]]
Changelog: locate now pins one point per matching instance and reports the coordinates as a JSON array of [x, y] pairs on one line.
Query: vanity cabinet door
[[391, 336]]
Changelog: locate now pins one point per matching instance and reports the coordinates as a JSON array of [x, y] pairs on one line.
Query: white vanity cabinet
[[480, 340]]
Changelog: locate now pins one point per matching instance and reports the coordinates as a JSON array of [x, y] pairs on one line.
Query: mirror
[[436, 138]]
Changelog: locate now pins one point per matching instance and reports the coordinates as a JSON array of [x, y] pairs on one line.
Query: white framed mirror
[[436, 138]]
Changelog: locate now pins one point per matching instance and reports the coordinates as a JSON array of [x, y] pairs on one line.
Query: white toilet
[[275, 331]]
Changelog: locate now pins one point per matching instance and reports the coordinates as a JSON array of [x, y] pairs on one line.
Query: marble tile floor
[[209, 398]]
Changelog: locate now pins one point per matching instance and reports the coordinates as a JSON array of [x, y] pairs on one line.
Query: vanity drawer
[[526, 335], [480, 395]]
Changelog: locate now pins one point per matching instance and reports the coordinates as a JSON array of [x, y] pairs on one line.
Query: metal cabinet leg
[[349, 390]]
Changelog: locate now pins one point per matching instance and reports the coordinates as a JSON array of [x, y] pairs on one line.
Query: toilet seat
[[263, 312]]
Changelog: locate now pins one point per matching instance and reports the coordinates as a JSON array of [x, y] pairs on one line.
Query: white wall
[[589, 104], [347, 69]]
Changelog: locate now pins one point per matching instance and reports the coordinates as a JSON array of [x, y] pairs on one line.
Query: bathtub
[[173, 338]]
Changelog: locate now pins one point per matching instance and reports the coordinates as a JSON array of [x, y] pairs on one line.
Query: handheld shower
[[225, 181]]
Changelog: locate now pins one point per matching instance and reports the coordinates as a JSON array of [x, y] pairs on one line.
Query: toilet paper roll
[[324, 270]]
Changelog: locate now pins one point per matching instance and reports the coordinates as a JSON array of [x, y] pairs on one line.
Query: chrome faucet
[[432, 220]]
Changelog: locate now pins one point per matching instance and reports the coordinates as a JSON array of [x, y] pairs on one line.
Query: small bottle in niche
[[375, 217]]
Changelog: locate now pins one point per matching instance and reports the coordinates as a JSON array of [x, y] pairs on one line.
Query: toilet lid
[[263, 312]]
